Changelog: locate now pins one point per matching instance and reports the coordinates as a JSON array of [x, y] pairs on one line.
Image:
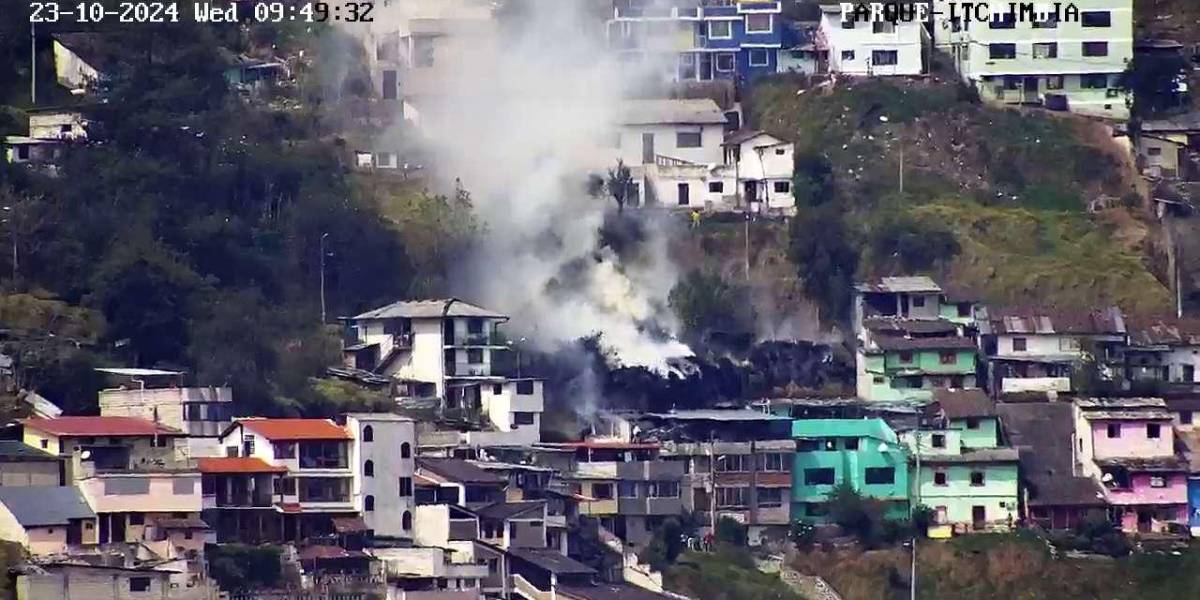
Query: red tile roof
[[94, 426], [237, 464], [296, 429]]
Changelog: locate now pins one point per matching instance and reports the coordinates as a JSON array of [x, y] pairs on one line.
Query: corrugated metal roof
[[963, 404], [1043, 321], [429, 309], [652, 112], [457, 470], [45, 505], [970, 456], [1165, 332], [909, 284], [551, 561], [717, 415], [891, 342]]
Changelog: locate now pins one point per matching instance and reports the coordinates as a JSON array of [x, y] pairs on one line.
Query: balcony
[[463, 530]]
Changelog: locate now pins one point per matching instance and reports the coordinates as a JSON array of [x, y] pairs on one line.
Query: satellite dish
[[1106, 478]]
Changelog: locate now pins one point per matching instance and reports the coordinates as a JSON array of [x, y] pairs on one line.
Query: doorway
[[978, 517], [647, 148], [684, 194], [1031, 90]]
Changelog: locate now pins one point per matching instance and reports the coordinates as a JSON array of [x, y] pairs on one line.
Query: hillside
[[1012, 187]]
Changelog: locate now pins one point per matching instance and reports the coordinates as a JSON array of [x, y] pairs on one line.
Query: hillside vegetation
[[994, 201]]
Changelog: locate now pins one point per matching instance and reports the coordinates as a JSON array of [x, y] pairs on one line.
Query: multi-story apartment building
[[241, 498], [736, 464], [864, 453], [383, 453], [699, 40], [967, 477], [1163, 351], [447, 349], [1128, 445], [869, 47], [626, 486], [157, 395], [319, 483], [1066, 60]]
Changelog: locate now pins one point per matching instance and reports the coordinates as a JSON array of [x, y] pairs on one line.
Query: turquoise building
[[863, 452]]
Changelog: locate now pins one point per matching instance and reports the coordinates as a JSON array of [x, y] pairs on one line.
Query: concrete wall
[[167, 406], [1037, 345], [998, 494], [389, 435], [905, 40], [629, 148], [50, 125], [985, 435], [1174, 490], [1133, 441], [23, 473], [147, 492], [82, 583]]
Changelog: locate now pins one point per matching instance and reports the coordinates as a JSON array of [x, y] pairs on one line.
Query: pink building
[[1128, 444]]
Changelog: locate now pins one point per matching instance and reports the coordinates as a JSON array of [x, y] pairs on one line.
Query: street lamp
[[323, 236], [517, 348]]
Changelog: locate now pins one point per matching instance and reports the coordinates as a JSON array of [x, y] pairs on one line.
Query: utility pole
[[323, 236], [32, 64], [901, 164], [912, 578], [746, 249]]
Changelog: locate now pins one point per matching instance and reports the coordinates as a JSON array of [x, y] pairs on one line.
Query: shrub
[[731, 532]]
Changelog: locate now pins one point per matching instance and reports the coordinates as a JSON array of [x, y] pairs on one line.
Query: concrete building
[[82, 581], [1163, 351], [1128, 445], [21, 464], [869, 48], [1062, 60], [736, 464], [1170, 147], [446, 350], [50, 130], [384, 451], [158, 395], [864, 453], [242, 499]]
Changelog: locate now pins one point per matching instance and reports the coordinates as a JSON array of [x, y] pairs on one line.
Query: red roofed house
[[319, 480], [240, 496]]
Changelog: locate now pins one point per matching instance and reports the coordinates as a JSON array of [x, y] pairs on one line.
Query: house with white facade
[[1039, 349], [444, 350], [1163, 351], [82, 60], [383, 452], [50, 129], [681, 156], [1064, 60], [869, 47], [160, 396]]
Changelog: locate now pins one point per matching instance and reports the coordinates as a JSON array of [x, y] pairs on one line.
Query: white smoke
[[521, 118]]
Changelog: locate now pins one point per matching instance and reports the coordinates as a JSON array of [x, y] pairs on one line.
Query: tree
[[860, 516], [911, 245], [803, 534], [619, 185], [814, 181], [666, 546], [731, 532], [705, 303], [1154, 81], [825, 259]]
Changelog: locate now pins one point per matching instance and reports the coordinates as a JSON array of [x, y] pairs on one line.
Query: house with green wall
[[967, 477], [893, 367], [865, 453]]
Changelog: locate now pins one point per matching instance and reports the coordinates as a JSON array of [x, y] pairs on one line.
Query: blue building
[[700, 40]]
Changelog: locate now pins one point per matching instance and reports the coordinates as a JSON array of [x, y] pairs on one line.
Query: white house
[[49, 130], [383, 454], [444, 350], [80, 60], [157, 395], [680, 155], [872, 47], [1067, 61]]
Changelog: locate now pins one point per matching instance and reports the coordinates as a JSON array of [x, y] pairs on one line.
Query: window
[[732, 497], [716, 187], [880, 475], [720, 30], [885, 57], [1095, 48], [285, 486], [848, 24], [1153, 430], [368, 434], [405, 450], [1002, 51], [770, 462], [976, 478], [137, 518], [422, 52], [1051, 22], [369, 468], [851, 444], [662, 489], [1158, 482], [406, 487], [782, 187], [281, 449], [939, 440], [883, 27], [725, 62], [523, 418], [847, 55], [1003, 21], [525, 387], [1114, 430], [627, 489], [732, 463], [808, 445], [1054, 82], [939, 478], [1019, 344], [687, 139], [139, 584], [1096, 18], [1012, 82], [368, 503], [1045, 50], [918, 301], [1185, 417], [906, 356], [972, 423], [878, 380], [759, 23], [602, 491], [964, 309], [1154, 151], [474, 357], [947, 358], [759, 58], [406, 520], [45, 444], [818, 476], [770, 497], [1093, 81]]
